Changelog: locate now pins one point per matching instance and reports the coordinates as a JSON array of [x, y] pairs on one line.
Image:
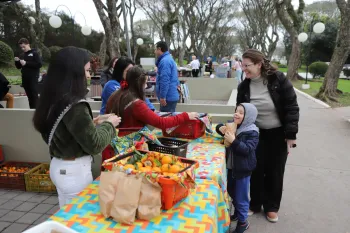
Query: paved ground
[[22, 210], [316, 195], [317, 183], [344, 112]]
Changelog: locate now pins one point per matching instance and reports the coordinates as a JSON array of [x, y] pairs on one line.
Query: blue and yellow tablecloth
[[204, 210]]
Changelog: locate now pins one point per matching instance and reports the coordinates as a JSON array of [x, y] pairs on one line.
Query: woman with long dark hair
[[107, 74], [121, 67], [129, 102], [64, 119], [278, 116]]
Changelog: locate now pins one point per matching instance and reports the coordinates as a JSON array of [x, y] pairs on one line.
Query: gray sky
[[87, 8]]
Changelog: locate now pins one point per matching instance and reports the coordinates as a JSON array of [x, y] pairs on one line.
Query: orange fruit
[[139, 164], [126, 167], [156, 169], [145, 169], [167, 159], [175, 169], [165, 168]]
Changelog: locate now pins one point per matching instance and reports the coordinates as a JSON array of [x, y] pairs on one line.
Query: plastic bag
[[150, 200], [126, 198]]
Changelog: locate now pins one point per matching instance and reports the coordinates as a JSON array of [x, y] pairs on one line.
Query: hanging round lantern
[[319, 28], [86, 30], [302, 37], [55, 21], [31, 19], [139, 41]]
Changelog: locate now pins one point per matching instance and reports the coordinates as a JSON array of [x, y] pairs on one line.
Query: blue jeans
[[170, 107], [238, 189]]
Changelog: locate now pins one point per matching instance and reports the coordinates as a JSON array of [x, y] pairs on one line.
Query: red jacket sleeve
[[143, 113]]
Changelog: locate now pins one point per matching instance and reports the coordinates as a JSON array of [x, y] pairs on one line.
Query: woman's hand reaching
[[193, 115], [115, 120]]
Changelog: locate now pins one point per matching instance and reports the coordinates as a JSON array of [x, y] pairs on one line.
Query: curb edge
[[313, 98]]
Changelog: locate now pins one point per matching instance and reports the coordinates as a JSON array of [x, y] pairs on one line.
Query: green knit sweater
[[76, 135]]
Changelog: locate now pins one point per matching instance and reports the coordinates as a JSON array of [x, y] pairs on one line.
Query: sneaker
[[250, 212], [272, 217], [240, 228], [234, 218]]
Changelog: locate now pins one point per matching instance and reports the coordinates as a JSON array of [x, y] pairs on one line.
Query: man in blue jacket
[[167, 79]]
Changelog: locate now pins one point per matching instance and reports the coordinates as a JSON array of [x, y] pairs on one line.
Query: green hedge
[[46, 54], [318, 69], [346, 72], [6, 54]]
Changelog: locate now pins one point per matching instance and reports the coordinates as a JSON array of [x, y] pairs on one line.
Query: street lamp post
[[56, 22], [318, 28]]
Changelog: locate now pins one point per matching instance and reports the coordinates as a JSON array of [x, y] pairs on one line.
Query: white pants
[[70, 177]]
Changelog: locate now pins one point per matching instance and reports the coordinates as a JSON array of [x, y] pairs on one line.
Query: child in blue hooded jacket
[[241, 160]]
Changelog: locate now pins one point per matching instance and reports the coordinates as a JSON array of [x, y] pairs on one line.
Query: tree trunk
[[293, 63], [102, 53], [328, 90]]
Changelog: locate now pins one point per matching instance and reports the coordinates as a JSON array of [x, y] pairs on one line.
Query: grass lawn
[[302, 69], [13, 71], [343, 85]]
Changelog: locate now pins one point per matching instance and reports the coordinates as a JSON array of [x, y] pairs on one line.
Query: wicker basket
[[38, 179]]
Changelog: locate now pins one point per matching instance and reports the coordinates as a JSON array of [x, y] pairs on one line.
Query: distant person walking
[[195, 66], [238, 69], [167, 80], [30, 63], [209, 66]]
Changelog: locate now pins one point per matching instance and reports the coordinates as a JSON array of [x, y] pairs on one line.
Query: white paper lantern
[[319, 28], [55, 21], [139, 41], [120, 39], [31, 19], [86, 30], [302, 37]]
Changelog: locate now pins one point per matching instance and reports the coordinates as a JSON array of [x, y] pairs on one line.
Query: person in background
[[238, 69], [129, 103], [241, 160], [167, 80], [64, 119], [209, 65], [107, 74], [195, 66], [29, 63], [121, 67], [278, 116], [4, 95]]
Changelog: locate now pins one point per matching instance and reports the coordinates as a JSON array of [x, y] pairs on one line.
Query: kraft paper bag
[[126, 199], [106, 193], [232, 128], [150, 203]]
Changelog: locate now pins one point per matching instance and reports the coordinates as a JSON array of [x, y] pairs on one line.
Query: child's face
[[239, 115]]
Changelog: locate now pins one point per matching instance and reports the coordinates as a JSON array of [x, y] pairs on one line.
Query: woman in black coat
[[278, 116]]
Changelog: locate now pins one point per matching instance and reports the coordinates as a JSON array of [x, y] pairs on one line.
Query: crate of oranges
[[12, 174], [174, 174], [38, 179]]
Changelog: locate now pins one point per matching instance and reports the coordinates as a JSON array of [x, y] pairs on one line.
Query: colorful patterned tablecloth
[[212, 163], [204, 210]]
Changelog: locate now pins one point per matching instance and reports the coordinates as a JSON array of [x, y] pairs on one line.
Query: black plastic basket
[[171, 146]]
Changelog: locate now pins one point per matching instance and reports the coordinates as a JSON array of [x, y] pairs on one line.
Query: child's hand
[[223, 129], [229, 137]]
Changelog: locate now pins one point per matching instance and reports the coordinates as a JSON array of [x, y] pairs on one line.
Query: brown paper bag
[[107, 190], [232, 128], [126, 199], [150, 200]]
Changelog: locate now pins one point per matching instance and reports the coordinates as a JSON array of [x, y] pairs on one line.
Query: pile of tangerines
[[9, 169], [156, 162]]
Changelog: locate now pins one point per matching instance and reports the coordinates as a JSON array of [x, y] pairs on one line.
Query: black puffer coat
[[283, 97]]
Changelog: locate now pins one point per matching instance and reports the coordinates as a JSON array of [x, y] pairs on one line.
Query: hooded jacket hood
[[250, 115]]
